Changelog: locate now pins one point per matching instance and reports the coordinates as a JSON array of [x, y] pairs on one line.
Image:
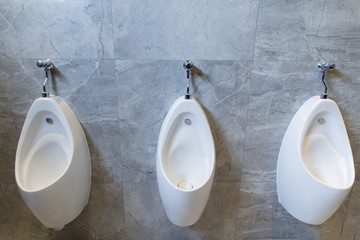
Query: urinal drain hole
[[49, 120], [187, 121], [185, 185], [321, 121]]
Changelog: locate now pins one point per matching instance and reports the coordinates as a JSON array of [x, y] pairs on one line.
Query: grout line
[[256, 28], [123, 206]]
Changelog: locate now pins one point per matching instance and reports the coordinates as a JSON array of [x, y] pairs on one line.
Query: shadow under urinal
[[315, 170]]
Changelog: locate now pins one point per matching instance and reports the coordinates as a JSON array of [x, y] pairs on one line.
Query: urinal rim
[[61, 111], [174, 112], [315, 108]]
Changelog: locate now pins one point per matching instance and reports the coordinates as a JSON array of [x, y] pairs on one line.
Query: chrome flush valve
[[48, 65], [323, 67], [188, 66]]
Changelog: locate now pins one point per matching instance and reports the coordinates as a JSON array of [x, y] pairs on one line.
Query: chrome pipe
[[323, 67], [188, 66], [48, 65]]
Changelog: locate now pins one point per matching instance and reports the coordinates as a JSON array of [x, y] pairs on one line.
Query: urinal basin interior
[[186, 163], [44, 152], [324, 152], [322, 160], [45, 163], [186, 166]]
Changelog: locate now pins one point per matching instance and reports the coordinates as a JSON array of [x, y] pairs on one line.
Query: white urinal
[[185, 162], [315, 170], [52, 166]]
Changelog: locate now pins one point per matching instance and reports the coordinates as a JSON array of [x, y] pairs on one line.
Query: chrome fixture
[[48, 65], [323, 67], [188, 66]]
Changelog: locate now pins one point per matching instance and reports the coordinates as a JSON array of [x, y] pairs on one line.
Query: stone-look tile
[[334, 30], [146, 219], [94, 98], [223, 89], [146, 91], [105, 155], [21, 82], [259, 164], [219, 218], [37, 29], [351, 225], [308, 30], [184, 30], [260, 216], [9, 134], [333, 228], [18, 89], [102, 218], [282, 30], [15, 218], [88, 87], [278, 89], [8, 143]]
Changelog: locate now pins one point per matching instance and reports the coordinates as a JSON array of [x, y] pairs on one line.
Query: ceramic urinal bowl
[[52, 166], [315, 170], [185, 162]]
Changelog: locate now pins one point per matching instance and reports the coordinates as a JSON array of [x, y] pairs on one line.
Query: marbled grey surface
[[184, 29], [308, 30], [56, 29], [119, 67]]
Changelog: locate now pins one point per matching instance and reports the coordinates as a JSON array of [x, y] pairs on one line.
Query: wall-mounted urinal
[[185, 161], [315, 170], [52, 166]]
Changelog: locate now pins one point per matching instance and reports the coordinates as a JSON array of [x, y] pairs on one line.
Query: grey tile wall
[[119, 67], [167, 30]]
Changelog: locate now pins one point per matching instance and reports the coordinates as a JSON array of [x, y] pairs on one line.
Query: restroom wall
[[119, 67]]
